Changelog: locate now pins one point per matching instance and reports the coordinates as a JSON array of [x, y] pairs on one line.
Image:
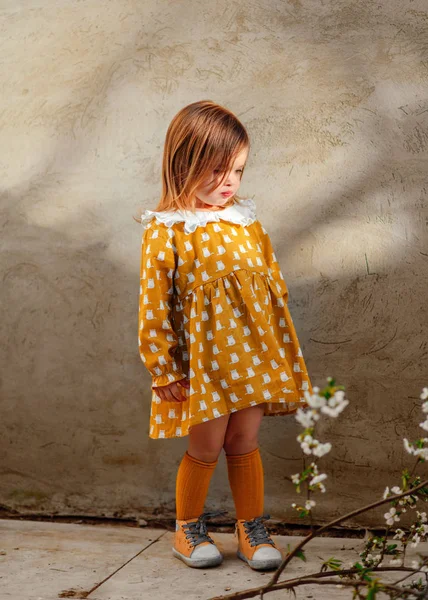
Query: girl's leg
[[244, 464], [197, 466], [245, 471]]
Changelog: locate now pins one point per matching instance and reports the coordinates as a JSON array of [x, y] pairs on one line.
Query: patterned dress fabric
[[213, 308]]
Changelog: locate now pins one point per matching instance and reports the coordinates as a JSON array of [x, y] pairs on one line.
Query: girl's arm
[[274, 270], [156, 337]]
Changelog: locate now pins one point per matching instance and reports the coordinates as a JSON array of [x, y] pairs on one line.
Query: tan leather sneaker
[[255, 546], [192, 543]]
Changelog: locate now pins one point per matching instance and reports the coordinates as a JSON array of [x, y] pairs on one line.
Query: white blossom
[[417, 564], [424, 395], [424, 425], [295, 478], [334, 412], [391, 516], [314, 400], [322, 449], [422, 452], [306, 448], [317, 479], [307, 443], [309, 504], [304, 418], [409, 448], [386, 493], [396, 490], [398, 534]]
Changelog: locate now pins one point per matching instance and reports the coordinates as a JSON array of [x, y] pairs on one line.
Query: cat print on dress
[[213, 308]]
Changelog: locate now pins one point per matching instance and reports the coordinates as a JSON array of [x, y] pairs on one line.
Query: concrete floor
[[48, 561]]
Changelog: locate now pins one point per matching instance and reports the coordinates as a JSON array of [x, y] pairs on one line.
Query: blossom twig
[[289, 556]]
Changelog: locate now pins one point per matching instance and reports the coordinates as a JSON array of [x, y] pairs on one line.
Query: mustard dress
[[213, 309]]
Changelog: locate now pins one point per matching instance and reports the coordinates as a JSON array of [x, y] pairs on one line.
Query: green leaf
[[371, 595], [364, 571], [300, 554], [334, 563]]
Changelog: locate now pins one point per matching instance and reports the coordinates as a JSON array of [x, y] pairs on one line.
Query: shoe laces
[[197, 531], [257, 532]]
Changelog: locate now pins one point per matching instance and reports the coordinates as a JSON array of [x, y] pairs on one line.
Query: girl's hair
[[202, 137]]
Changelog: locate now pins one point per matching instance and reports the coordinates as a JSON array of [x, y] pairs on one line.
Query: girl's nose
[[230, 178]]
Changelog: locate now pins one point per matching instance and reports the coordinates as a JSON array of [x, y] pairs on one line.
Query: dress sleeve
[[157, 339], [274, 270]]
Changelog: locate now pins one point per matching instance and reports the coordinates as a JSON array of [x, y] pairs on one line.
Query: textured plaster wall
[[335, 97]]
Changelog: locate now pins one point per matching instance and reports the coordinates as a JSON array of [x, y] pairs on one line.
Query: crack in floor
[[86, 594]]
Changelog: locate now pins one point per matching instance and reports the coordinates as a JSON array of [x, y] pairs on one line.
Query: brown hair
[[202, 136]]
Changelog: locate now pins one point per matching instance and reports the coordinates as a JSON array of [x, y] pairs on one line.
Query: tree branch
[[314, 577], [313, 534]]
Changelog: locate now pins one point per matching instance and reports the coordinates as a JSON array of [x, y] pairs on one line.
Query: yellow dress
[[213, 308]]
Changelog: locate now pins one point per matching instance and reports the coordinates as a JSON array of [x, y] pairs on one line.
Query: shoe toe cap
[[206, 551], [267, 553]]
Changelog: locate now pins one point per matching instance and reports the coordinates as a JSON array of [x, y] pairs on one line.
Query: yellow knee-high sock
[[246, 478], [192, 483]]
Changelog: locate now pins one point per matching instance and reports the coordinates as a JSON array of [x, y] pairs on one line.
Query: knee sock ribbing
[[246, 478], [192, 483]]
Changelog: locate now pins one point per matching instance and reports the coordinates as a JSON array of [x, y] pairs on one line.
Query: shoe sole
[[198, 562], [261, 565]]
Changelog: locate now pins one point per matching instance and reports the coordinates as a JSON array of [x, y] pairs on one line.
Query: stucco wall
[[335, 98]]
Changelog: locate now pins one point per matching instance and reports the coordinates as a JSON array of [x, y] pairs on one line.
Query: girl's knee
[[205, 454], [206, 440], [205, 448], [240, 442]]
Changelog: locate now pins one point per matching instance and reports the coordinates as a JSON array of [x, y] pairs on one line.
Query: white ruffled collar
[[243, 212]]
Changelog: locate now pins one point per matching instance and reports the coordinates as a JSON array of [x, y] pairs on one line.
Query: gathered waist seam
[[188, 293]]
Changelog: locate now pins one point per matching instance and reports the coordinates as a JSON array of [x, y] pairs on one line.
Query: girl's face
[[216, 199]]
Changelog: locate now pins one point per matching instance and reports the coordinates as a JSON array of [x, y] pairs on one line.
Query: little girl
[[215, 331]]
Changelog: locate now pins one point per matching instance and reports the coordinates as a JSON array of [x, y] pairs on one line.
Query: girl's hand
[[172, 392]]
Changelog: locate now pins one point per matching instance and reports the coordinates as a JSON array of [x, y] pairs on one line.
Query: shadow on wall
[[75, 397]]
